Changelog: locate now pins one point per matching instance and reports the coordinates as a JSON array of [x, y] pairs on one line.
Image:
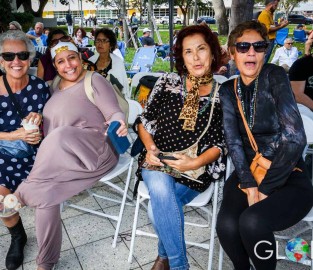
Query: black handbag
[[16, 148]]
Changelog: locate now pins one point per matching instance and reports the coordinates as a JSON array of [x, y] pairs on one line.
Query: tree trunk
[[220, 16], [27, 4], [241, 11], [150, 16], [184, 11]]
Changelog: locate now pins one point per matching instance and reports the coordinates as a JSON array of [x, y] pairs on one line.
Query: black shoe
[[15, 254]]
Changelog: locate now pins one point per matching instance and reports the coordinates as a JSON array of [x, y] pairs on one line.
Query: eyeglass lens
[[104, 40], [10, 56], [244, 47]]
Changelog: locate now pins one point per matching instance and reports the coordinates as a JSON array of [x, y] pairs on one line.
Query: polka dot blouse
[[160, 119]]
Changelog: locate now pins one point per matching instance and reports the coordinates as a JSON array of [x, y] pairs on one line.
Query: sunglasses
[[10, 56], [289, 43], [54, 42], [244, 47], [99, 40]]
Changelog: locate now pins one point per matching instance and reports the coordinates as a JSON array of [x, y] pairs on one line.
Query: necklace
[[184, 93], [252, 105]]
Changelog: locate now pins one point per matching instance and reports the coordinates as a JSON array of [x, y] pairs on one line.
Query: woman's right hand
[[152, 156], [253, 195], [28, 136]]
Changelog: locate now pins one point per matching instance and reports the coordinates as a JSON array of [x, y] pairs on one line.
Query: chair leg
[[213, 225], [132, 242], [220, 258], [120, 216]]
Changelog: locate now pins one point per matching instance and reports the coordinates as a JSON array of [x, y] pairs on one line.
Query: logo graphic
[[297, 250]]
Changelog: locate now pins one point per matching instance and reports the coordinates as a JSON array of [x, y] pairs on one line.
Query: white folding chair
[[41, 49], [124, 164], [201, 201]]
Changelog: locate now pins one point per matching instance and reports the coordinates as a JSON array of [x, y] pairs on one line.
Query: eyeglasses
[[54, 42], [10, 56], [244, 47], [289, 43], [99, 40]]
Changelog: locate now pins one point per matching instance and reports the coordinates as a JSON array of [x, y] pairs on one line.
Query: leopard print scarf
[[190, 109]]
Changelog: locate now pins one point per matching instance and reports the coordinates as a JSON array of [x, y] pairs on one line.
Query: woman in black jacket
[[250, 213]]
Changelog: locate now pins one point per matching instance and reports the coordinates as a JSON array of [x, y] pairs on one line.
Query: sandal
[[9, 205]]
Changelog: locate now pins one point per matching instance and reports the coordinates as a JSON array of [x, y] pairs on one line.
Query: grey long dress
[[73, 156]]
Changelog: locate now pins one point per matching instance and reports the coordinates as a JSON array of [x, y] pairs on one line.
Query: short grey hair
[[288, 40], [18, 35], [40, 24], [16, 24]]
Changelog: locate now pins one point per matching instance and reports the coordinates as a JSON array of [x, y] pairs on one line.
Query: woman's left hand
[[182, 164], [34, 117]]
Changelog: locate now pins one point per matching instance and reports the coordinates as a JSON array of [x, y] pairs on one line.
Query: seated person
[[80, 37], [286, 55], [37, 36], [301, 76], [148, 41], [302, 27]]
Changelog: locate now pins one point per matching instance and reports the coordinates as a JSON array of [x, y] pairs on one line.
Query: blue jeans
[[163, 50], [167, 199], [269, 51]]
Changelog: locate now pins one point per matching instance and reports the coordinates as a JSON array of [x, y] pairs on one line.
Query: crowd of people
[[189, 125]]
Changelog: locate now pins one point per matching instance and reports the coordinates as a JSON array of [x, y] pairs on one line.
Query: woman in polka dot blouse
[[17, 52], [176, 115]]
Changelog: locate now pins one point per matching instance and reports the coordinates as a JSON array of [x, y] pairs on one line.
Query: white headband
[[63, 46]]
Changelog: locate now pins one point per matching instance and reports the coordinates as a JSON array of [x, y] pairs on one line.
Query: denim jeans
[[167, 199]]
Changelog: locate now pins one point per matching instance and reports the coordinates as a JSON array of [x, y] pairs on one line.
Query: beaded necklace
[[184, 93], [252, 103]]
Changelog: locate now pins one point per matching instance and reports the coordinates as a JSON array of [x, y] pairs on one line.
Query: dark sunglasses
[[244, 47], [54, 42], [10, 56]]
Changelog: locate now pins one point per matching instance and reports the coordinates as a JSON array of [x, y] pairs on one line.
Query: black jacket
[[278, 129]]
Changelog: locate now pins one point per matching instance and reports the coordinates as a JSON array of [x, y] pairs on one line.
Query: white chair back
[[134, 110], [308, 128]]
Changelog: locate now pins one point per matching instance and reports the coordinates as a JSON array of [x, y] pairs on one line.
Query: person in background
[[148, 41], [46, 69], [14, 25], [105, 62], [77, 134], [70, 25], [80, 37], [46, 31], [285, 56], [267, 18], [31, 93], [251, 212], [176, 116], [301, 27], [93, 32], [301, 76], [37, 36]]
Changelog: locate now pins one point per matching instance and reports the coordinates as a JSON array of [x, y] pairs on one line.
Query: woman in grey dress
[[75, 152]]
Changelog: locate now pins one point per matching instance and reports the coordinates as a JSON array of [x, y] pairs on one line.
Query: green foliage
[[5, 10], [26, 19]]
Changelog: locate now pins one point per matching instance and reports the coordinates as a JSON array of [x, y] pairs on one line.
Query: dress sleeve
[[150, 113], [233, 137], [105, 99], [292, 140]]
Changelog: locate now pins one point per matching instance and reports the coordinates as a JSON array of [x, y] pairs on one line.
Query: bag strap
[[88, 86], [211, 112], [12, 97], [251, 138]]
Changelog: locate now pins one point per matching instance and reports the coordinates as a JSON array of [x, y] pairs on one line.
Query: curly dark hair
[[241, 28], [54, 32], [209, 37], [110, 35], [81, 29]]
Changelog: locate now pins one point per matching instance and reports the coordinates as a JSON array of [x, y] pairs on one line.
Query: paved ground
[[87, 240]]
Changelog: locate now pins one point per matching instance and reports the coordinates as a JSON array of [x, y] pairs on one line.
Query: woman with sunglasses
[[250, 213], [46, 69], [31, 94], [75, 152], [106, 62]]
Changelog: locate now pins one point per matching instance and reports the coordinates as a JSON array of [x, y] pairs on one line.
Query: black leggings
[[240, 227]]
